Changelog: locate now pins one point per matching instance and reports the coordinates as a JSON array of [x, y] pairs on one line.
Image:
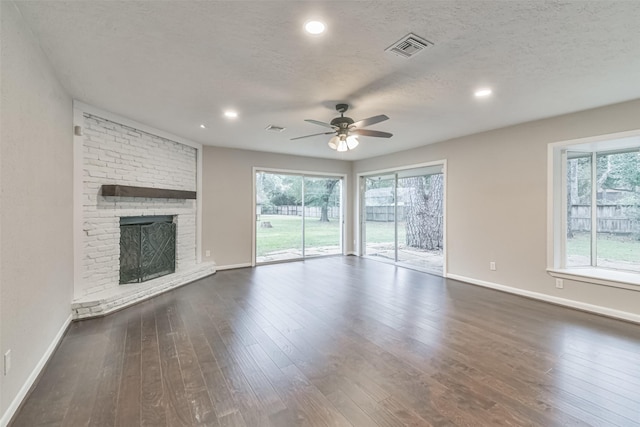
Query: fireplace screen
[[147, 248]]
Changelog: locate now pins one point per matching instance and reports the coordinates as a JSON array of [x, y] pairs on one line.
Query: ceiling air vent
[[409, 46], [275, 128]]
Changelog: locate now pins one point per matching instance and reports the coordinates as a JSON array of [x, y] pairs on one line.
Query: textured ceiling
[[176, 64]]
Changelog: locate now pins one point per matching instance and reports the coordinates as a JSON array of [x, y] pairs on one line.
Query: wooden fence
[[309, 211], [615, 219], [383, 213]]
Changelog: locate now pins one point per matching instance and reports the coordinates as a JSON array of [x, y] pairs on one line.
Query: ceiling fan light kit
[[333, 143], [352, 142], [343, 143], [346, 130]]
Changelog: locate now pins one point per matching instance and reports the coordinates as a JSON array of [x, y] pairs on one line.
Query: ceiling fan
[[346, 130]]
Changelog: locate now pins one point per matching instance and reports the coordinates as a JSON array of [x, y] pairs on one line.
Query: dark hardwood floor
[[340, 341]]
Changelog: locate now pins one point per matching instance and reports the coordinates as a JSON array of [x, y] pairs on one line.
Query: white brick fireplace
[[114, 151]]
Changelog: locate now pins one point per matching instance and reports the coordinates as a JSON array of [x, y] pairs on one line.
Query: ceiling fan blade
[[316, 122], [315, 134], [370, 121], [367, 132]]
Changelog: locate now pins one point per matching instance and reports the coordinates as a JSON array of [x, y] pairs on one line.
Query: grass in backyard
[[610, 247], [383, 232], [286, 233]]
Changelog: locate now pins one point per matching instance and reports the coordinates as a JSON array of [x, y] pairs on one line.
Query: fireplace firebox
[[147, 248]]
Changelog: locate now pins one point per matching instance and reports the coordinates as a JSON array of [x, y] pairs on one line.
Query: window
[[402, 219], [595, 207], [297, 216]]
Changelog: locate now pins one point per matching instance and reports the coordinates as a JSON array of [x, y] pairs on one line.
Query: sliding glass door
[[379, 221], [297, 216], [322, 216], [402, 218], [279, 221], [421, 241]]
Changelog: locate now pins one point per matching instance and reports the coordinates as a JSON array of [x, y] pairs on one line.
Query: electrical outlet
[[559, 283], [207, 253], [7, 362], [492, 266]]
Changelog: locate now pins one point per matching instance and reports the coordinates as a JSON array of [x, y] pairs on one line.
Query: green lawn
[[286, 233], [383, 232], [610, 247]]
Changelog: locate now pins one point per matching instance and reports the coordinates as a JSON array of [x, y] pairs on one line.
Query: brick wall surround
[[113, 153]]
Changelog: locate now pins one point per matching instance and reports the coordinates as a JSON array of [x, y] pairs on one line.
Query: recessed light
[[314, 27], [231, 114], [481, 93], [203, 126]]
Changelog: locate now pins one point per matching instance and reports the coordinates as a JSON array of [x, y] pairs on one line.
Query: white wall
[[36, 281], [227, 198], [118, 154], [497, 201]]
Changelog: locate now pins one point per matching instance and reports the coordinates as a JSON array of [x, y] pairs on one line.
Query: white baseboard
[[15, 404], [233, 266], [604, 311]]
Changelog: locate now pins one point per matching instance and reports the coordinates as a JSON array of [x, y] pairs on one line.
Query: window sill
[[599, 276]]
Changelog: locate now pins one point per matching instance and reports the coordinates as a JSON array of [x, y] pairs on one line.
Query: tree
[[616, 182], [319, 192], [423, 204], [572, 194], [286, 190], [578, 188], [620, 173], [325, 197]]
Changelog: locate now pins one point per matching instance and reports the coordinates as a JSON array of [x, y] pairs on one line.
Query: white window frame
[[303, 174], [557, 212], [360, 208]]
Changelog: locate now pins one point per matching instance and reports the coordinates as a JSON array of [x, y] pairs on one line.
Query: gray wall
[[36, 171], [497, 200], [227, 198]]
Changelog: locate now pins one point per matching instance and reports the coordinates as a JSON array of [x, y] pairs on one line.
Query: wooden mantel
[[156, 193]]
